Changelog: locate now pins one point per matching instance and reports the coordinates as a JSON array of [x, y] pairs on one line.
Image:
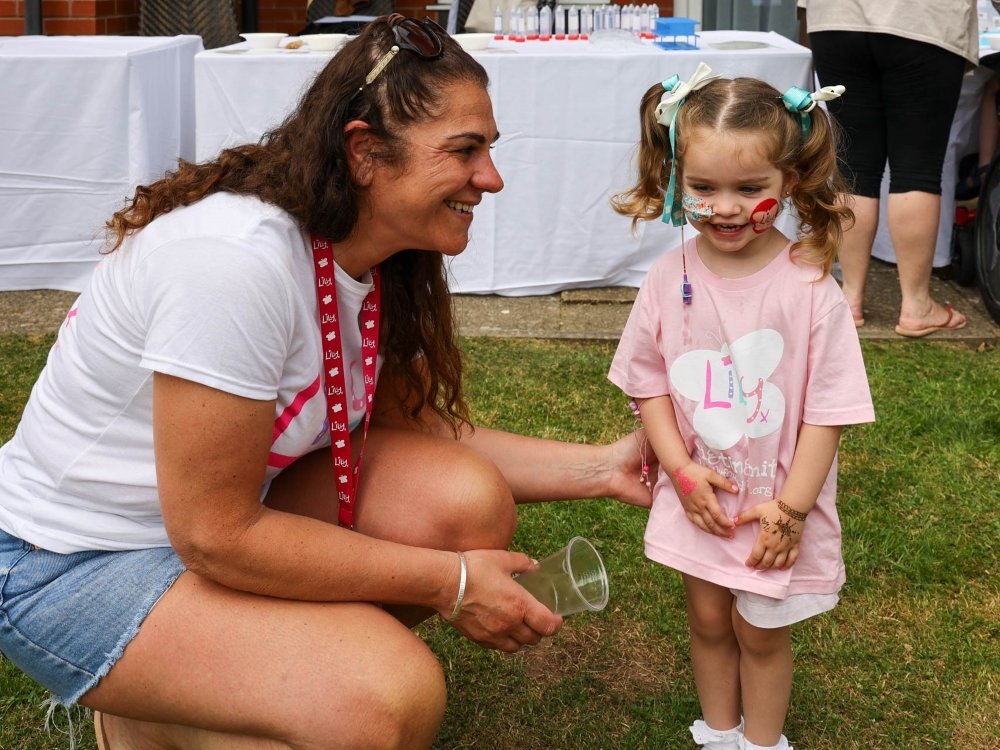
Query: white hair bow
[[676, 91], [801, 102]]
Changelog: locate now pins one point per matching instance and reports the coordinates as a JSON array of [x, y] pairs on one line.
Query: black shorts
[[899, 104]]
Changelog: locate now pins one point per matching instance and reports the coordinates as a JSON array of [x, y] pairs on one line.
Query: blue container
[[676, 33]]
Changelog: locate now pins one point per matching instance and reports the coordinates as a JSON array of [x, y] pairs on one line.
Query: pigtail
[[822, 216], [644, 201]]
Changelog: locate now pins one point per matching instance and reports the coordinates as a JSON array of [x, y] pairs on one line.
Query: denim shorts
[[66, 619]]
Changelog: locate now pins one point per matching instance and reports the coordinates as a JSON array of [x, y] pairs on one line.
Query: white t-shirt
[[220, 293], [745, 364]]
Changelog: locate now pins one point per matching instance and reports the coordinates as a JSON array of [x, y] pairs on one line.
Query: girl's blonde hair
[[752, 106]]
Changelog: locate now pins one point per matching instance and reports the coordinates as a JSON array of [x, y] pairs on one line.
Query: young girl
[[743, 362]]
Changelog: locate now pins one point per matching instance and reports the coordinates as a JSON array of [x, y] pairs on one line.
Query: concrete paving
[[576, 314], [601, 313]]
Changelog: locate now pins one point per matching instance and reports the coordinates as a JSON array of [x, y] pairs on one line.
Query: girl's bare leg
[[715, 654], [217, 669], [766, 679]]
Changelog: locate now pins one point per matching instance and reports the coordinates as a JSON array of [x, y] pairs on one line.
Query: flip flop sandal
[[916, 333], [102, 743]]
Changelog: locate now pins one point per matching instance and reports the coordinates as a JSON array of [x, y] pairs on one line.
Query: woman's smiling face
[[427, 203]]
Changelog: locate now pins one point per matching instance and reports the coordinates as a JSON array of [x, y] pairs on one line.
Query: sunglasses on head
[[420, 37]]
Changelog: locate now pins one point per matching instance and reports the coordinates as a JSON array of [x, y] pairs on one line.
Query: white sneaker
[[713, 739]]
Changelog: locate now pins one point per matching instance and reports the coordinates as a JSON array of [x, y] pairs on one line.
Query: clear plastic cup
[[571, 580]]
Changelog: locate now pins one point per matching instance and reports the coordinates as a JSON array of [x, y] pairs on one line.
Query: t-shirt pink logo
[[730, 389]]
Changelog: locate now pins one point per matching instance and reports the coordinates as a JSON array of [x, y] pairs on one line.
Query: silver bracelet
[[463, 577]]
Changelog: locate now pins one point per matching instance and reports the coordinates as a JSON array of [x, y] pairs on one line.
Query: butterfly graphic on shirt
[[730, 388]]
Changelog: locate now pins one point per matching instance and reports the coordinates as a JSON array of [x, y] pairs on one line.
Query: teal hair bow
[[675, 93], [799, 101]]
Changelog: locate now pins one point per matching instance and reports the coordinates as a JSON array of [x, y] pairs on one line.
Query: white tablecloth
[[83, 121], [568, 118]]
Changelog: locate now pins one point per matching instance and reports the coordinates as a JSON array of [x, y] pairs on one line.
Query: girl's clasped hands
[[777, 543]]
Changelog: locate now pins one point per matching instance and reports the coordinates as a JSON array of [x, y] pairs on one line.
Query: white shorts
[[764, 612]]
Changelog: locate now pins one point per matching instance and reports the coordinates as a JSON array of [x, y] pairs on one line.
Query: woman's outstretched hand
[[632, 463], [498, 612], [777, 544], [696, 485]]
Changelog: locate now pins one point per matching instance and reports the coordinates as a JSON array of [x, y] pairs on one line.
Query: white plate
[[739, 44], [268, 51]]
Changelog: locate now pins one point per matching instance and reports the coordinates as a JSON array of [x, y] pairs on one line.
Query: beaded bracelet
[[463, 577]]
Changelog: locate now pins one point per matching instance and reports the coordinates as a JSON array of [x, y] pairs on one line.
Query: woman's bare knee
[[454, 499], [400, 706], [480, 510]]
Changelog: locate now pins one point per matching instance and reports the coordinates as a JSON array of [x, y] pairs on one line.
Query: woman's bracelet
[[795, 515], [463, 577]]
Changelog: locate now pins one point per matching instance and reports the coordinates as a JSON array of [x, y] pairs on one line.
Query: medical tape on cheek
[[697, 208]]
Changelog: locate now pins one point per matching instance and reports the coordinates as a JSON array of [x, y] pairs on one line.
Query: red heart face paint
[[763, 215]]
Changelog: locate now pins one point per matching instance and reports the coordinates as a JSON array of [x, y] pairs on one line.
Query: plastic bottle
[[560, 23], [517, 25], [545, 23], [654, 16], [586, 22], [531, 24], [498, 24], [573, 24]]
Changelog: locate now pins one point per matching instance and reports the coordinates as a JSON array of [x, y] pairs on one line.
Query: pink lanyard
[[333, 360]]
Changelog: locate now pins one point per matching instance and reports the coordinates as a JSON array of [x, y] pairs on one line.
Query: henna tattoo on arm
[[779, 528], [789, 511], [785, 528]]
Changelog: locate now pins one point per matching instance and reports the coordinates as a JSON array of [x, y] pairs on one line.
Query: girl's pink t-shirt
[[745, 364]]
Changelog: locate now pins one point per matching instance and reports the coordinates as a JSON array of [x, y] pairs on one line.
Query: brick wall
[[288, 16], [98, 17], [74, 17]]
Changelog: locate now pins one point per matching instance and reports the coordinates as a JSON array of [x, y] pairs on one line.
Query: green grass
[[909, 659]]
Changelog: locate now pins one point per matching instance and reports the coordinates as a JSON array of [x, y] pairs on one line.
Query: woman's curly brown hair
[[302, 167]]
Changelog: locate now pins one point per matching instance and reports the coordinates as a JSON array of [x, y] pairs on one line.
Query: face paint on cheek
[[763, 215], [697, 209]]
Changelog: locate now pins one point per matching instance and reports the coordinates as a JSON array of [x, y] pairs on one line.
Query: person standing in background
[[903, 62]]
